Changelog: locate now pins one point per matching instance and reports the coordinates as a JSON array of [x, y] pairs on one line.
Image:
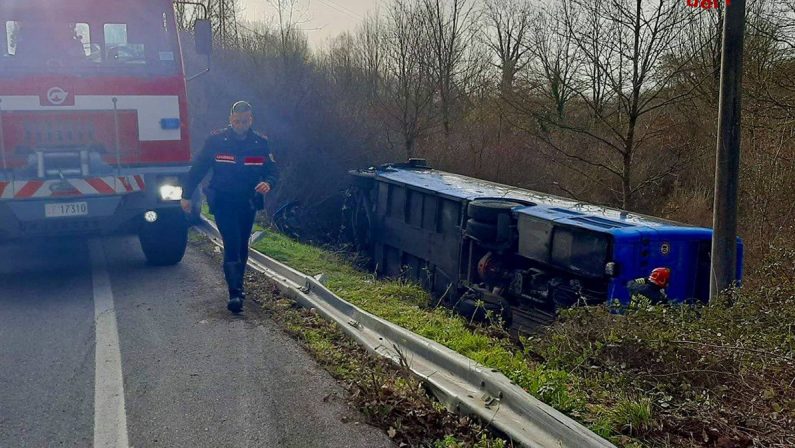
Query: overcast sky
[[323, 18]]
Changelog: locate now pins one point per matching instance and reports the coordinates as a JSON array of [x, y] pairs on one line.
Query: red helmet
[[660, 277]]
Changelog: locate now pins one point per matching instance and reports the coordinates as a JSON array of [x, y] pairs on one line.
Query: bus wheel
[[164, 240], [481, 231], [489, 210]]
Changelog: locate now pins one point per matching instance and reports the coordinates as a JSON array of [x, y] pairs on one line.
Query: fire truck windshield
[[86, 46]]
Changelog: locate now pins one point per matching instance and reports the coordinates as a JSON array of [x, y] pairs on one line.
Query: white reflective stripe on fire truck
[[151, 109], [53, 188]]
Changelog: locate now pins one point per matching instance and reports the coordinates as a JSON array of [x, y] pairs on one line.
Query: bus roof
[[545, 206]]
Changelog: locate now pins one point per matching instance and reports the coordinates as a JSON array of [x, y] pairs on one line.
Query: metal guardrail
[[462, 384]]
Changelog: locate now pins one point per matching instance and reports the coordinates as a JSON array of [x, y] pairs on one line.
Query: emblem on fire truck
[[57, 95]]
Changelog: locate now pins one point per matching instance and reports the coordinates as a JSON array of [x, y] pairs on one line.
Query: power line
[[339, 8]]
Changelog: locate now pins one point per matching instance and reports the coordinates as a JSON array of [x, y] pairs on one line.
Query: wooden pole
[[727, 169]]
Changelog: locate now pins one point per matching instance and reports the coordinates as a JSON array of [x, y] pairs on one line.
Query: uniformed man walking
[[243, 172]]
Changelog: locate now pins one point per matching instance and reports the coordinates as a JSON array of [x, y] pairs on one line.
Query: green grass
[[453, 442], [405, 304], [632, 415]]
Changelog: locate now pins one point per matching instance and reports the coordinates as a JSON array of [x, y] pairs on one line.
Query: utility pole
[[226, 11], [727, 169]]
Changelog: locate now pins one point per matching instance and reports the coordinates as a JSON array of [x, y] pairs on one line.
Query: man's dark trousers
[[235, 221]]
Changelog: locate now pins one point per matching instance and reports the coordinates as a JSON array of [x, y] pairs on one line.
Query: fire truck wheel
[[164, 241], [488, 210]]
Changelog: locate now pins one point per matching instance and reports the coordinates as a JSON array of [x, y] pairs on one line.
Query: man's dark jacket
[[238, 166]]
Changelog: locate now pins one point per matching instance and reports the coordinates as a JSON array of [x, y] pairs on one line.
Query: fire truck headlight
[[170, 192], [150, 216]]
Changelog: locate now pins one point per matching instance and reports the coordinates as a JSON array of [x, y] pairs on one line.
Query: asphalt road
[[99, 349]]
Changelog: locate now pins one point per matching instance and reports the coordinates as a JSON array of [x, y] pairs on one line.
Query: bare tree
[[450, 29], [702, 43], [339, 61], [557, 57], [370, 42], [289, 16], [592, 15], [408, 77], [770, 60], [507, 25], [625, 76]]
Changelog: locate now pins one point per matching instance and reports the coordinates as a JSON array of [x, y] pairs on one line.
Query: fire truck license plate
[[66, 209]]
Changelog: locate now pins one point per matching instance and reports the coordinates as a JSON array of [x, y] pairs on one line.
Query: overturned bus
[[481, 246]]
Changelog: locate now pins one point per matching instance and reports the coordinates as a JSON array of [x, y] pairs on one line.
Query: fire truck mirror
[[204, 37]]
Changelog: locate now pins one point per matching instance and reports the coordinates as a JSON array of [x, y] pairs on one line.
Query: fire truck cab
[[93, 122]]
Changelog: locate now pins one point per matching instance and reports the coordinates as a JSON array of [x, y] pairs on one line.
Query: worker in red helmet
[[652, 287]]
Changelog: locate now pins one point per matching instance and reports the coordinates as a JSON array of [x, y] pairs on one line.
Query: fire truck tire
[[164, 241], [489, 210]]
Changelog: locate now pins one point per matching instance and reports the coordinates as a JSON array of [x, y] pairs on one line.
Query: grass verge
[[661, 376], [406, 304]]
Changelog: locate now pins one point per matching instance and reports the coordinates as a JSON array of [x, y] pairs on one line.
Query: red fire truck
[[93, 121]]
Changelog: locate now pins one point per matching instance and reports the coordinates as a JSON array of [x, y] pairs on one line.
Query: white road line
[[110, 419]]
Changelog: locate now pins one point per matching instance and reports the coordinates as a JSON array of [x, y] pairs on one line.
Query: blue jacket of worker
[[238, 165]]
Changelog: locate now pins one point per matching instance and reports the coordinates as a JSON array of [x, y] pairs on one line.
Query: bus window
[[535, 238], [580, 251]]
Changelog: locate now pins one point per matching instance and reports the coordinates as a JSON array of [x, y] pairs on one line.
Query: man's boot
[[233, 271], [243, 280]]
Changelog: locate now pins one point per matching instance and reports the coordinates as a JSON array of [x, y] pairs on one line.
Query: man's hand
[[263, 188], [186, 205]]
